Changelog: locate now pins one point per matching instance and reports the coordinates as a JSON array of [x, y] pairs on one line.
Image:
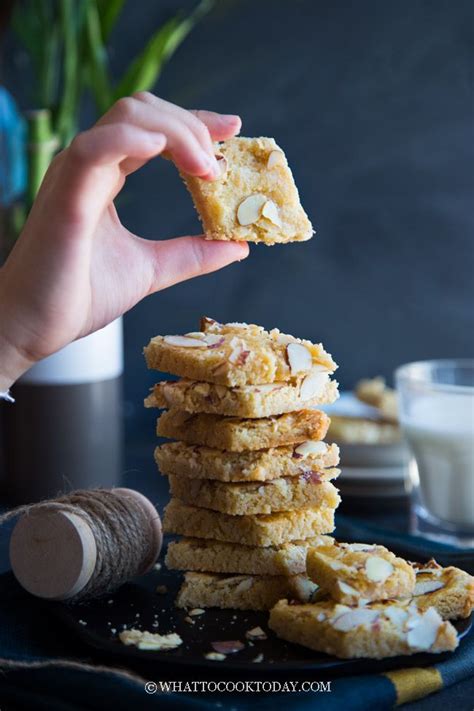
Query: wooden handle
[[53, 553]]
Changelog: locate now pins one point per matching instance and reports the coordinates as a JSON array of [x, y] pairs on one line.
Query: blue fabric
[[12, 150]]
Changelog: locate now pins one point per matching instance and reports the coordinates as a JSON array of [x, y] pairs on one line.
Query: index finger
[[220, 126]]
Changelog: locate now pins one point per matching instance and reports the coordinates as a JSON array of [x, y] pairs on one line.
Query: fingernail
[[230, 118], [214, 169]]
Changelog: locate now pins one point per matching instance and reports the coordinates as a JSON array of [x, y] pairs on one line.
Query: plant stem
[[42, 145]]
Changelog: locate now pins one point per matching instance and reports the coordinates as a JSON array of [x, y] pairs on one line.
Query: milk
[[440, 431]]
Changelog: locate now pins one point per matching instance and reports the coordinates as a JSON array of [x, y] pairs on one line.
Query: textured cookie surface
[[355, 572], [203, 555], [235, 434], [241, 592], [450, 590], [197, 462], [236, 354], [247, 401], [255, 199], [375, 631], [247, 498], [261, 530]]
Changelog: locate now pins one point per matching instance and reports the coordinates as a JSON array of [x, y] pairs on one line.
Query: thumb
[[176, 260]]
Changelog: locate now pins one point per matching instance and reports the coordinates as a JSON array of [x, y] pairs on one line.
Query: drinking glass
[[436, 404]]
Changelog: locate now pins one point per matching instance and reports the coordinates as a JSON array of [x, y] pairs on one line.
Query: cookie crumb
[[215, 656]]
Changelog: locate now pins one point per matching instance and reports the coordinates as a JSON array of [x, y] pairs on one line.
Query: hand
[[75, 267]]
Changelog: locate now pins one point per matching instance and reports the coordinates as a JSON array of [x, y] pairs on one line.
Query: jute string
[[122, 532]]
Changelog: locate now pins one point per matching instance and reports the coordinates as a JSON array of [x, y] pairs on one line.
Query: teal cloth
[[29, 636], [12, 150]]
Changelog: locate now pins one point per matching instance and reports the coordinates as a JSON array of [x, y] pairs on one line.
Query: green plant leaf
[[36, 25], [146, 67], [65, 123], [96, 59], [109, 10]]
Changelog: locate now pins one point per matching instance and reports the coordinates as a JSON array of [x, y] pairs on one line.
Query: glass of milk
[[436, 404]]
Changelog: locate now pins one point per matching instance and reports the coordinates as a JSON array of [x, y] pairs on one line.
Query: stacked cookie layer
[[250, 475]]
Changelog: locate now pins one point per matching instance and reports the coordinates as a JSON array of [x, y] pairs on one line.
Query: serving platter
[[138, 605]]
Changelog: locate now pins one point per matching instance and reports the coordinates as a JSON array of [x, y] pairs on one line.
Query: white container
[[64, 430]]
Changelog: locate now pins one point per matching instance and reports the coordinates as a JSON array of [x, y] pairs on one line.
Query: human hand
[[75, 267]]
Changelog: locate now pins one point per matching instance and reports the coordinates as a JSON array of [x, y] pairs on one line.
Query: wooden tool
[[53, 554]]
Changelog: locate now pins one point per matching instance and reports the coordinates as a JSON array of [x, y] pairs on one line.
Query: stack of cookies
[[250, 475]]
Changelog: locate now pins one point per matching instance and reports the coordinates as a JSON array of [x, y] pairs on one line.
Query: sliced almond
[[347, 589], [423, 634], [256, 633], [283, 339], [222, 164], [202, 389], [196, 334], [245, 585], [270, 212], [212, 339], [250, 209], [422, 587], [299, 358], [313, 385], [310, 447], [378, 569], [275, 158], [396, 615], [358, 546], [358, 617], [303, 588], [184, 342], [215, 656]]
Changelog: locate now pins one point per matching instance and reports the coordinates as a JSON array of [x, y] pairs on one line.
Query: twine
[[122, 532]]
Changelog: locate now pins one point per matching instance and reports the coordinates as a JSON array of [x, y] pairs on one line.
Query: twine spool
[[84, 544]]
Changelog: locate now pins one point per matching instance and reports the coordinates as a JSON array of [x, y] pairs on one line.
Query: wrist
[[12, 364]]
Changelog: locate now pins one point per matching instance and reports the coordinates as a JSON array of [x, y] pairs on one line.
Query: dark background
[[372, 101]]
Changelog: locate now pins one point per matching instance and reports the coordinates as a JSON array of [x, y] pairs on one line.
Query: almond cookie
[[247, 498], [241, 592], [354, 572], [197, 462], [235, 434], [375, 631], [247, 401], [262, 530], [218, 557], [240, 354], [450, 590], [255, 199]]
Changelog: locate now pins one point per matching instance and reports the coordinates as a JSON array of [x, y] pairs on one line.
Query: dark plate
[[138, 604]]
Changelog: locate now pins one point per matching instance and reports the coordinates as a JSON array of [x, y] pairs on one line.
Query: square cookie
[[255, 199], [235, 434], [357, 572], [238, 354], [248, 498], [450, 590], [261, 530], [198, 462], [210, 556], [376, 631], [242, 592]]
